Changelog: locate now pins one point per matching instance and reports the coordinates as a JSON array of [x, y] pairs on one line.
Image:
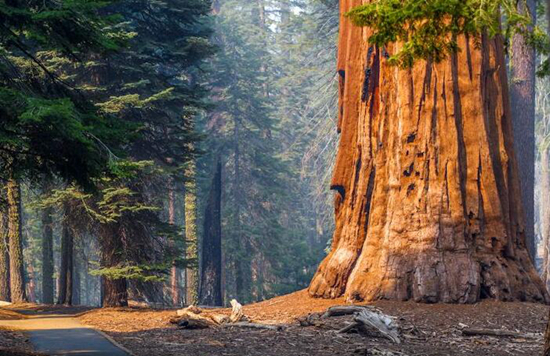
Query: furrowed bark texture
[[15, 241], [5, 294], [191, 246], [522, 91], [428, 205], [211, 274], [66, 269], [114, 291], [47, 256], [174, 285]]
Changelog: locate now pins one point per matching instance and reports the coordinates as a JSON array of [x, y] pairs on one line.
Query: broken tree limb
[[343, 310], [255, 326], [381, 322], [237, 313], [194, 317], [195, 324], [348, 328], [494, 332]]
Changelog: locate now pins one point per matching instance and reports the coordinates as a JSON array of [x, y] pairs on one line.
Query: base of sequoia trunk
[[434, 277]]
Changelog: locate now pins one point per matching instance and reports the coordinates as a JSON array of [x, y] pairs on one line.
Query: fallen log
[[495, 332]]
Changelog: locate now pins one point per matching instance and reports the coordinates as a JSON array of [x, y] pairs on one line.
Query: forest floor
[[13, 342], [435, 329]]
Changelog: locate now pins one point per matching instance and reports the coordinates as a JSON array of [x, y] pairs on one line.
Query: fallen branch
[[343, 310], [381, 322], [348, 328], [237, 313], [494, 332], [194, 317], [255, 326]]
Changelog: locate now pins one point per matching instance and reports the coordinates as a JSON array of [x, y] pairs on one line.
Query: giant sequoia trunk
[[428, 205], [211, 274], [15, 242]]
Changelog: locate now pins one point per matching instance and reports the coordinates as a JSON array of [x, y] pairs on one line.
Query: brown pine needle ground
[[427, 330]]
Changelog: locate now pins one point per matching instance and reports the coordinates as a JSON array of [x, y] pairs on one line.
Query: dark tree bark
[[211, 273], [428, 204], [522, 91], [5, 294], [66, 269], [115, 291], [76, 290], [47, 256], [174, 285], [15, 238], [191, 239]]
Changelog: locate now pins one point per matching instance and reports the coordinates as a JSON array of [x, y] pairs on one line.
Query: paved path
[[56, 334]]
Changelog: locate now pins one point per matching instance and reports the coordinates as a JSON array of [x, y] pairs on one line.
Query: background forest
[[141, 162], [176, 152]]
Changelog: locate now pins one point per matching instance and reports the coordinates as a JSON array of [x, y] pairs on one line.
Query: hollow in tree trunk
[[15, 240], [211, 274], [428, 206]]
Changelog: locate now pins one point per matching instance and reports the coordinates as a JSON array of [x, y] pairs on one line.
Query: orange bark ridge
[[428, 205]]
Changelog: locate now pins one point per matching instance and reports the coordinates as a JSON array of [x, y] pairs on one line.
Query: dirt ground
[[425, 330], [13, 342]]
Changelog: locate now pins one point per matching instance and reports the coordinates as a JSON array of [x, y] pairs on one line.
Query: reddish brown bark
[[15, 241], [428, 206]]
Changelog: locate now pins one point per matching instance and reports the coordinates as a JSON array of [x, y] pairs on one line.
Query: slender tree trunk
[[546, 219], [191, 240], [545, 215], [15, 238], [31, 285], [47, 256], [243, 269], [522, 91], [174, 287], [5, 294], [211, 274], [76, 292], [66, 270], [428, 206]]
